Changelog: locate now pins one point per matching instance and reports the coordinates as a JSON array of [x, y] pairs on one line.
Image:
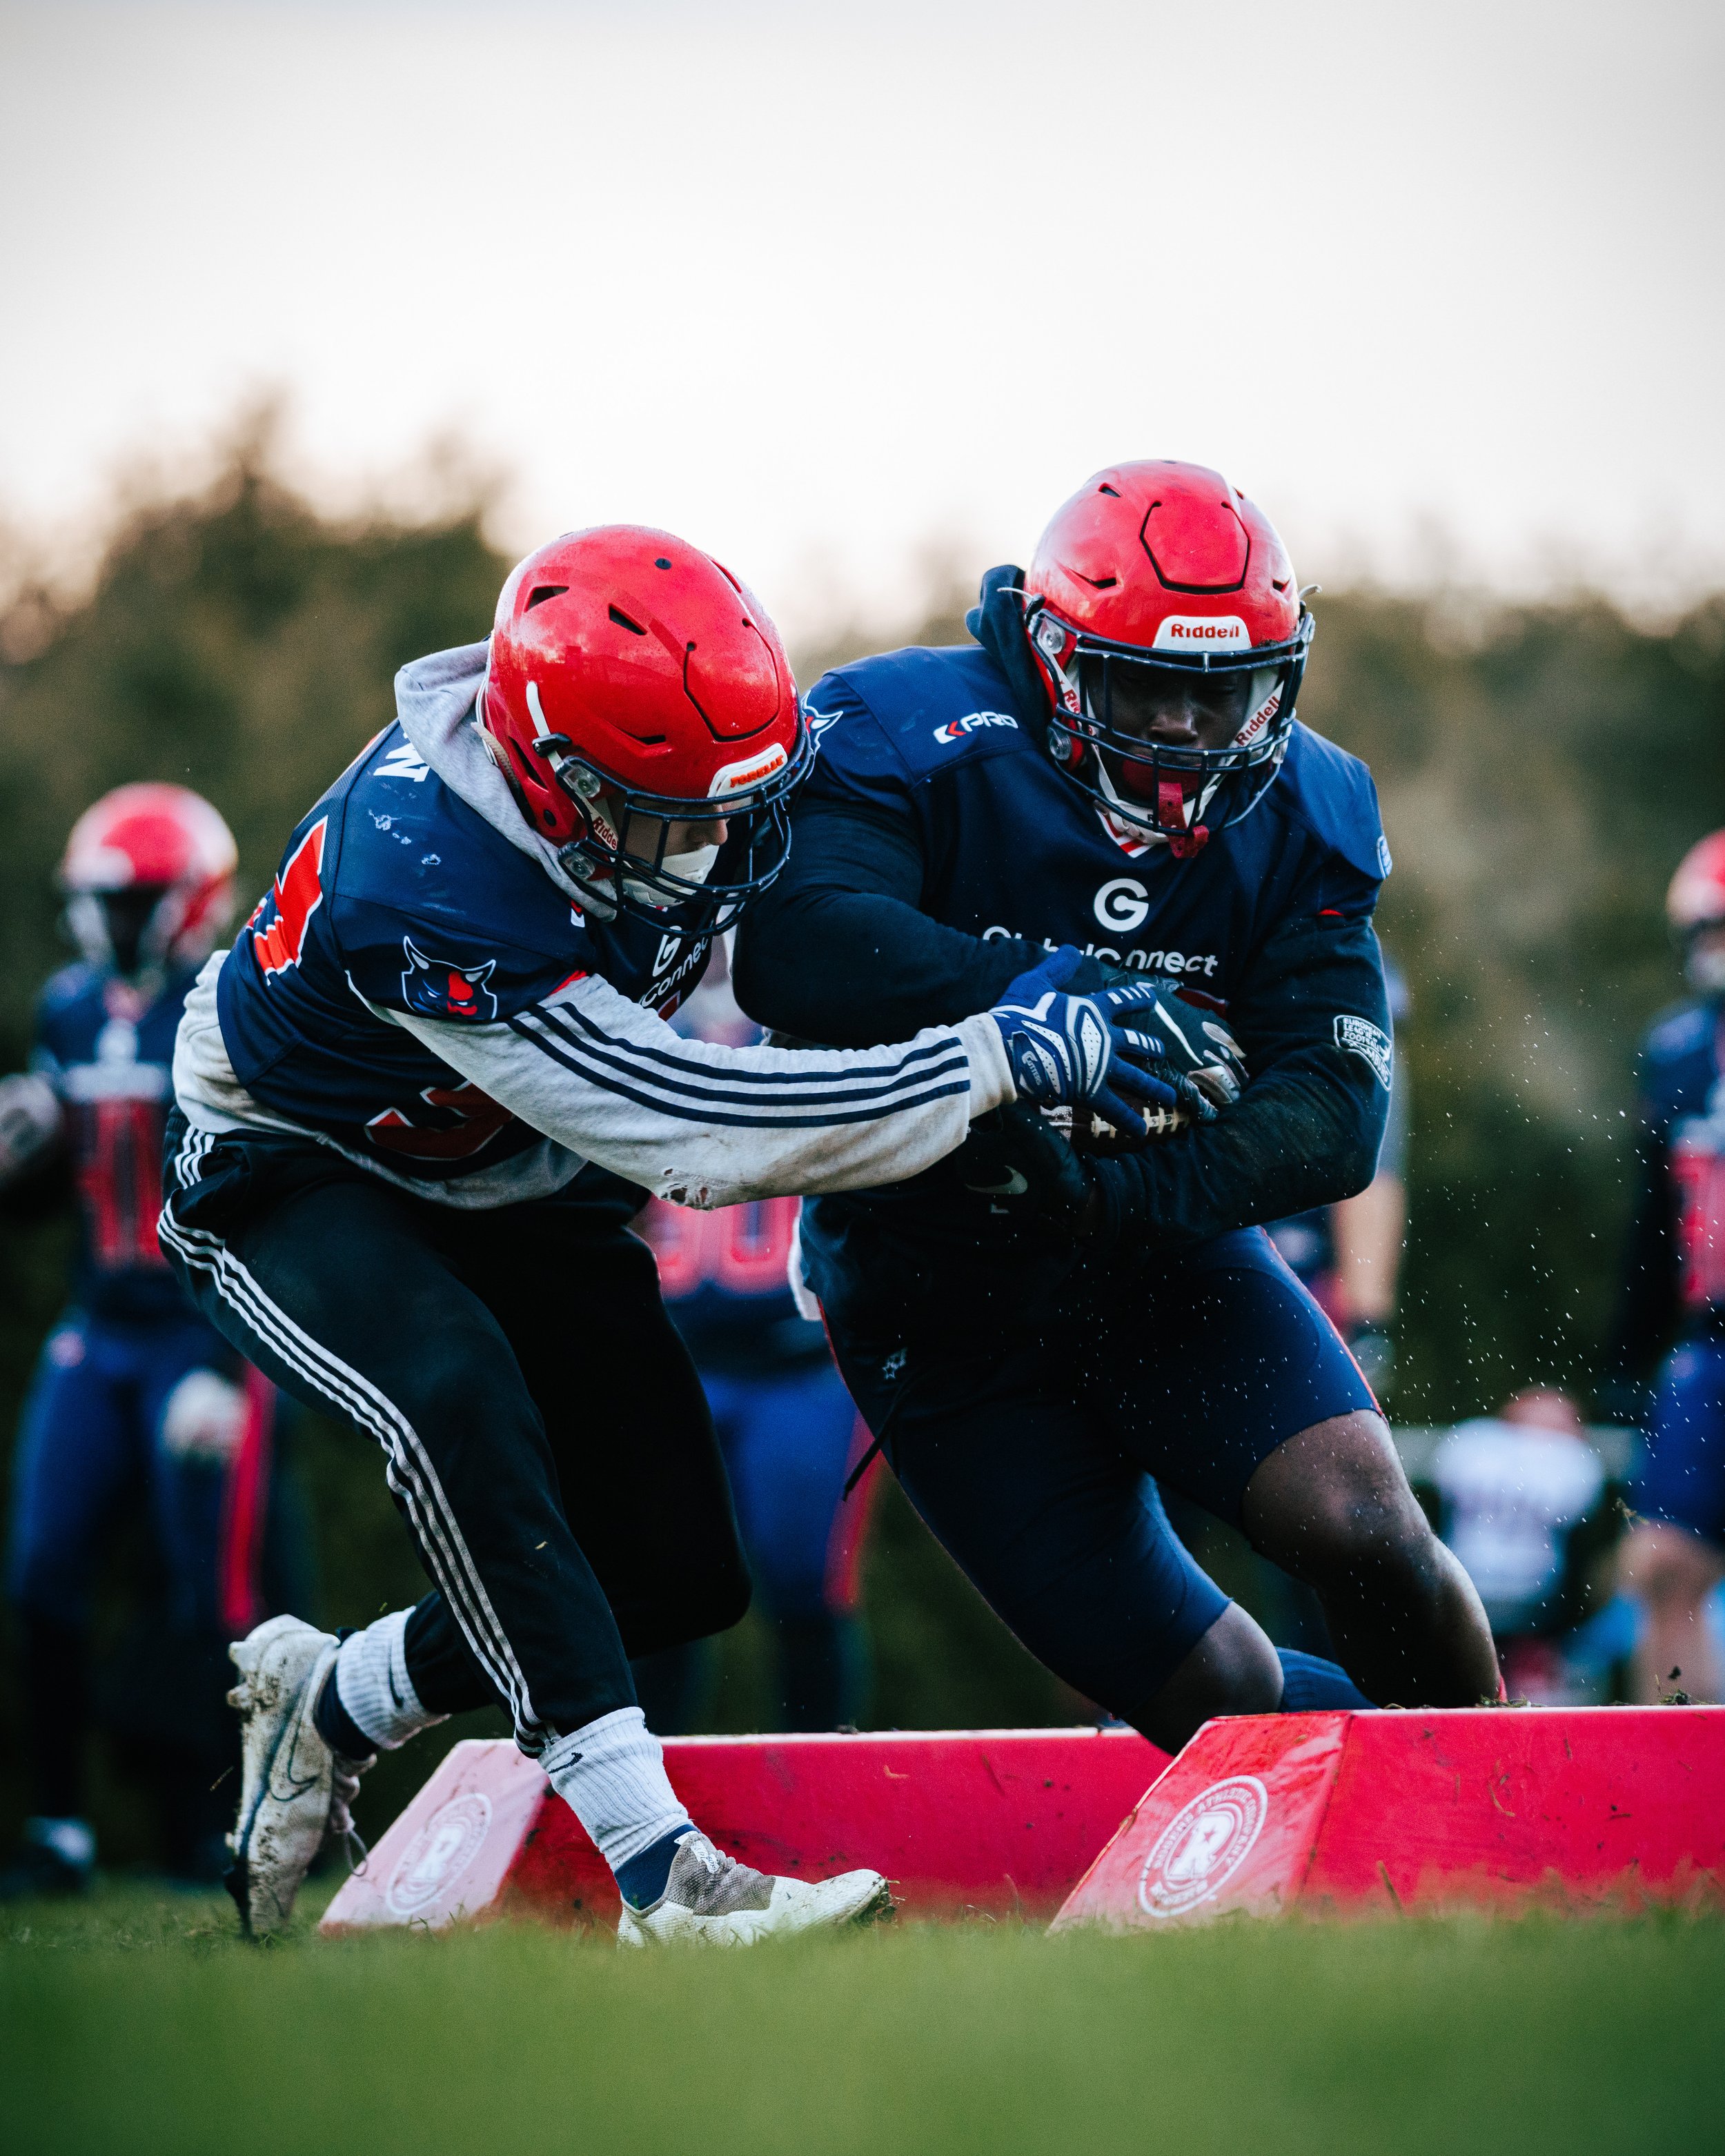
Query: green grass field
[[137, 2024]]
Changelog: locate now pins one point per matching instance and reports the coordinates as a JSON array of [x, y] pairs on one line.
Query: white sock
[[371, 1682], [612, 1776]]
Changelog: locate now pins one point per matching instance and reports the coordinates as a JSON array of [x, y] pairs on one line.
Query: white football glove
[[30, 1123], [204, 1419]]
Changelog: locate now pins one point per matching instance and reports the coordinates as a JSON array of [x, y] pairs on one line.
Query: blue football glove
[[1065, 1050]]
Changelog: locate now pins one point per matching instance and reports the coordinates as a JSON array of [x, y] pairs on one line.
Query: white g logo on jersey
[[1123, 904]]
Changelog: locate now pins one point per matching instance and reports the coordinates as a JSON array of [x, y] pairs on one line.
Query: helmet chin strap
[[694, 866], [1184, 840], [1169, 822]]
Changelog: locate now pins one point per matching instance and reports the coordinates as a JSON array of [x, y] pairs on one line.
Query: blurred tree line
[[1542, 768]]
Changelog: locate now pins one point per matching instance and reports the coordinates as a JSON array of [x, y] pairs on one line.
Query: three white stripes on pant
[[410, 1472]]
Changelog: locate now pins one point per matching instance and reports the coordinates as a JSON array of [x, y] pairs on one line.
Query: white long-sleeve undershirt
[[605, 1080], [708, 1126]]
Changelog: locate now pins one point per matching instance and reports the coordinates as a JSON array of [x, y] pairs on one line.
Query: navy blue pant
[[1033, 1452], [89, 1443], [1681, 1478], [88, 1449], [787, 1437], [543, 1432]]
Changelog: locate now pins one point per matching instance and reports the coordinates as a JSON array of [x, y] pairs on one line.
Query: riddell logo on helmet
[[1260, 719], [751, 771], [1186, 632]]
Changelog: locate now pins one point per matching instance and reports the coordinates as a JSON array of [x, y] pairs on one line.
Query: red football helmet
[[148, 872], [632, 683], [1153, 574], [1696, 902]]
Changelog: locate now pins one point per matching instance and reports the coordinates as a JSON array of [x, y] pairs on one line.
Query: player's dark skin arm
[[837, 951]]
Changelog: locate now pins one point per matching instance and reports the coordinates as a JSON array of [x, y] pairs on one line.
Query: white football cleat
[[712, 1900], [294, 1788]]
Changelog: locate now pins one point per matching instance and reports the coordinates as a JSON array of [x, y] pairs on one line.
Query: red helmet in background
[[631, 677], [148, 872], [1166, 570], [1696, 902]]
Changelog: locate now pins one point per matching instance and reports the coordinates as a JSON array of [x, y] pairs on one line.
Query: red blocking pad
[[1500, 1807], [994, 1821]]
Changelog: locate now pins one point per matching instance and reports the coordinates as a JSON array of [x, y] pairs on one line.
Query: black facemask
[[126, 915]]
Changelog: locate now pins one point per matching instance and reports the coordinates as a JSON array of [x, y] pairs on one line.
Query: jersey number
[[463, 1119], [743, 1249], [297, 894], [1699, 1170], [119, 1181]]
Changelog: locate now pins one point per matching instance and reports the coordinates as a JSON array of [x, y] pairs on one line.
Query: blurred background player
[[1513, 1489], [786, 1426], [1673, 1305], [137, 1402]]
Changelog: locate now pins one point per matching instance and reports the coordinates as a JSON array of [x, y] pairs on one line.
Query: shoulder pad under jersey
[[63, 991], [1332, 794], [436, 911], [913, 714]]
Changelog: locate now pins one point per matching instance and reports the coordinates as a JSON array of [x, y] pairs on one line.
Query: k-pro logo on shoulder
[[974, 722], [438, 988]]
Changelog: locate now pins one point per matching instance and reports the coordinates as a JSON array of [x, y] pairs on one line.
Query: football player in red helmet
[[148, 875], [1163, 615], [1038, 1339], [417, 1104], [1695, 910], [587, 716], [1670, 1326], [133, 1391]]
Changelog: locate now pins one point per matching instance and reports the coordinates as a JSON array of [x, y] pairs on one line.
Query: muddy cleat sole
[[289, 1772], [711, 1900]]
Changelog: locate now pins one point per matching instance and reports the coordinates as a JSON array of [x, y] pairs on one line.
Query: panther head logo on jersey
[[438, 988]]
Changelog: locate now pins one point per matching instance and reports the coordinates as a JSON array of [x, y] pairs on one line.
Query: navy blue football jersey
[[1307, 1240], [394, 892], [1011, 849], [108, 1050], [1675, 1260], [934, 744]]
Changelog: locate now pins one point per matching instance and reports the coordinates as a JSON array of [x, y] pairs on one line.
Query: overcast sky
[[817, 285]]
